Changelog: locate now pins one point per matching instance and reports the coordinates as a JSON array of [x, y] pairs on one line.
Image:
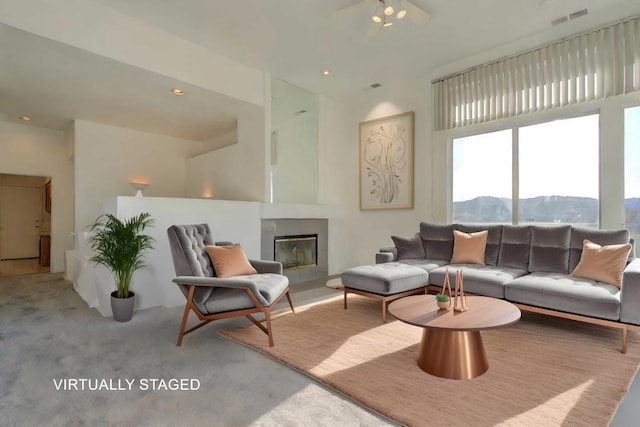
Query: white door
[[20, 212]]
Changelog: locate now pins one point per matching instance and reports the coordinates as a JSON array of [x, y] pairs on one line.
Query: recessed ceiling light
[[177, 91], [326, 72], [25, 118]]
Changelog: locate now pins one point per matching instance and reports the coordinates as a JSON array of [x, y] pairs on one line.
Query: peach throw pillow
[[602, 263], [468, 248], [229, 260]]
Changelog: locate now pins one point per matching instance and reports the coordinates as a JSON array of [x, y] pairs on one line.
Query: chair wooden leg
[[624, 340], [267, 315], [185, 316], [290, 303]]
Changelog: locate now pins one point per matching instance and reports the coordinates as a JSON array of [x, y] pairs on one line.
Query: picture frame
[[386, 162]]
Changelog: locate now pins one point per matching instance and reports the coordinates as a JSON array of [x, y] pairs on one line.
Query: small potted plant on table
[[119, 245], [443, 301]]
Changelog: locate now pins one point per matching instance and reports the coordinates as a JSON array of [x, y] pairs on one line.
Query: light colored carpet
[[543, 371], [48, 333]]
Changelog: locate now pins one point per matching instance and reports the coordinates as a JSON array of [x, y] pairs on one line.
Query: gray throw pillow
[[437, 240], [550, 249], [409, 247]]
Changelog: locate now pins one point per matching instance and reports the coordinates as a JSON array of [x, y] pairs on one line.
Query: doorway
[[25, 224]]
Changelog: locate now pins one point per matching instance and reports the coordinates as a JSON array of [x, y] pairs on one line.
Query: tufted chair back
[[189, 257]]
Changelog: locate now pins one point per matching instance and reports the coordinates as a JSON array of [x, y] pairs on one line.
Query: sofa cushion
[[550, 249], [409, 247], [484, 280], [515, 246], [425, 264], [437, 240], [469, 248], [494, 238], [602, 263], [561, 292], [601, 237], [385, 279]]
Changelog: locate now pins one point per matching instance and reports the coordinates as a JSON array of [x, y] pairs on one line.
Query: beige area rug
[[542, 371]]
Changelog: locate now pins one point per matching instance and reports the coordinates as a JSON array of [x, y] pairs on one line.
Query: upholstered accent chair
[[212, 298]]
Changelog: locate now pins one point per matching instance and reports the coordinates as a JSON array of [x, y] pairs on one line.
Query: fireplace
[[296, 251]]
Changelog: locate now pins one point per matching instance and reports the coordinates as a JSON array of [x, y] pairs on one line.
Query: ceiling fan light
[[387, 24], [388, 10], [376, 19], [401, 14]]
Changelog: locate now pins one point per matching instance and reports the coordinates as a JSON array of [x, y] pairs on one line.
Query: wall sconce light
[[139, 186]]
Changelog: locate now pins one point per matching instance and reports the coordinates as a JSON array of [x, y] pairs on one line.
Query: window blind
[[594, 65]]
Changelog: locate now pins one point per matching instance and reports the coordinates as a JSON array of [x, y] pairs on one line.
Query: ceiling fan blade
[[374, 28], [353, 7], [416, 14]]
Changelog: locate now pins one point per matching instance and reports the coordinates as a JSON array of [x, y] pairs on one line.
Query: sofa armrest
[[264, 266], [630, 294], [388, 254]]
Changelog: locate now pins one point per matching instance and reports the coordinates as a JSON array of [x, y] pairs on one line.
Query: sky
[[632, 152], [555, 158]]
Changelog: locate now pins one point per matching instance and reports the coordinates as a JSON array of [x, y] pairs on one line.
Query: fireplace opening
[[295, 252]]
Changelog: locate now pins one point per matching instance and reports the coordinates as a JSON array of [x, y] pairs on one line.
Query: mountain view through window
[[557, 174]]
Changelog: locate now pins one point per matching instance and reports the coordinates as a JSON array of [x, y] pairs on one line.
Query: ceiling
[[293, 39], [54, 83], [296, 39]]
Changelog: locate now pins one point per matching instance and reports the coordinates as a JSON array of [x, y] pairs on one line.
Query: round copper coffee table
[[451, 345]]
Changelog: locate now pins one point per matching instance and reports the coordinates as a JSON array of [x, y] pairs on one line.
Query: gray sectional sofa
[[529, 265]]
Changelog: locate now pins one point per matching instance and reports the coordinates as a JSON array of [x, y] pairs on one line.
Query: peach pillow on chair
[[602, 263], [468, 248], [229, 260]]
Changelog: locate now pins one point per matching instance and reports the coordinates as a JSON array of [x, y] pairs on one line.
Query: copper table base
[[456, 355]]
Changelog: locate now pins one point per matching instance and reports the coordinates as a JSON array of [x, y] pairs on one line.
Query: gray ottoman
[[386, 282]]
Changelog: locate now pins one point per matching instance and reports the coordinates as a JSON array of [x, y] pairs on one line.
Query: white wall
[[28, 150], [107, 158], [235, 172], [229, 221], [294, 156], [356, 236]]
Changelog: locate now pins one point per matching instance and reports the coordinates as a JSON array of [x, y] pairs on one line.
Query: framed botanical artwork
[[386, 162]]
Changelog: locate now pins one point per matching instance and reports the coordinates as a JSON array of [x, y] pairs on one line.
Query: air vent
[[578, 14], [559, 21], [376, 85], [574, 15], [297, 113]]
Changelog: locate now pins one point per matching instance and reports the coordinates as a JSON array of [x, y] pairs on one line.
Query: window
[[482, 178], [583, 68], [556, 170], [632, 171], [558, 165]]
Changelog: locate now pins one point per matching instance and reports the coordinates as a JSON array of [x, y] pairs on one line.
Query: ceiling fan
[[386, 12]]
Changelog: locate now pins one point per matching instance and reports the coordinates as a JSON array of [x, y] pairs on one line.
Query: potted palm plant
[[119, 245]]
